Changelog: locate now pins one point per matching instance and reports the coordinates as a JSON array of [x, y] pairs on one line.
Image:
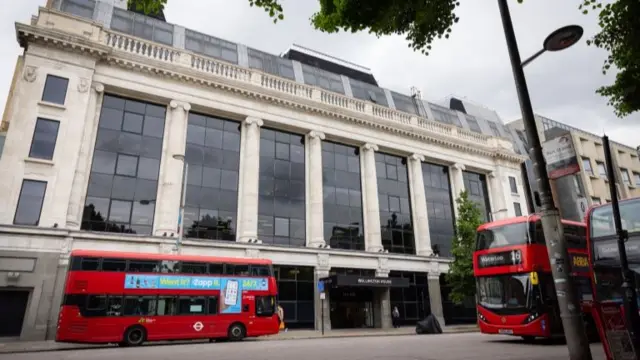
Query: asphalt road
[[467, 346]]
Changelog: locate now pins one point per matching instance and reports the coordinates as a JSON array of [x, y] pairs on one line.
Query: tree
[[460, 275], [423, 21]]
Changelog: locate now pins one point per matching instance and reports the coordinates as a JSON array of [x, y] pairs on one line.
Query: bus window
[[260, 270], [213, 305], [191, 305], [265, 305], [114, 264], [193, 268], [144, 266], [236, 269], [167, 305], [139, 305], [169, 266], [499, 236], [216, 269], [85, 263]]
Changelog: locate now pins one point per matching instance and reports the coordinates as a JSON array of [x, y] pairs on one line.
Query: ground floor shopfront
[[360, 288]]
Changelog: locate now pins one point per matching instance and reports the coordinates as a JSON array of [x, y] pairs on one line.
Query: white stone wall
[[124, 72]]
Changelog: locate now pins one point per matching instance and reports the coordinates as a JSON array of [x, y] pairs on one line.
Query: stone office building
[[315, 167]]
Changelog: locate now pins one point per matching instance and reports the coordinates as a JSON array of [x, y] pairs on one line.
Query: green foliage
[[422, 21], [460, 275], [149, 7], [620, 37]]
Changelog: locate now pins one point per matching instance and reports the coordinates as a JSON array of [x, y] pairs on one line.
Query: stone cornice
[[140, 55]]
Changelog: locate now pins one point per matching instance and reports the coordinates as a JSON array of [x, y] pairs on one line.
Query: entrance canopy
[[365, 281]]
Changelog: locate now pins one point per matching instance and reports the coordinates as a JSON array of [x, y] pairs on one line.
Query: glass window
[[476, 186], [445, 115], [271, 64], [505, 235], [44, 139], [211, 46], [342, 197], [129, 145], [513, 185], [148, 266], [505, 294], [30, 202], [393, 190], [602, 170], [317, 77], [114, 305], [142, 26], [82, 8], [473, 124], [109, 264], [192, 305], [281, 208], [586, 166], [139, 306], [625, 176], [494, 129], [213, 305], [213, 155], [439, 206], [517, 209], [636, 177], [55, 89], [167, 305], [193, 268], [265, 305]]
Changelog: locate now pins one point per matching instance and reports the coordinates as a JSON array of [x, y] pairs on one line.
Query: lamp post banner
[[561, 157]]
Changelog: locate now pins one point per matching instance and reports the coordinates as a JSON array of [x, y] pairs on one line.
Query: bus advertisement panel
[[130, 298], [515, 290], [607, 273]]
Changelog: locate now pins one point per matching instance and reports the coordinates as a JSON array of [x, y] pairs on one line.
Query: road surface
[[469, 346]]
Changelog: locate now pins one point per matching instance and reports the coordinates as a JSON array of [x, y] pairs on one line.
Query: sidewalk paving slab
[[49, 345]]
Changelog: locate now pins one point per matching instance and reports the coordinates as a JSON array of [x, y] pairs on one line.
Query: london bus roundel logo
[[198, 326]]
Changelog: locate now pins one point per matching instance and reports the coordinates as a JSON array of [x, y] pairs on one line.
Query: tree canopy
[[423, 21]]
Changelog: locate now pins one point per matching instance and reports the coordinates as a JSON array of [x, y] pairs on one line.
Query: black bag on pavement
[[430, 325]]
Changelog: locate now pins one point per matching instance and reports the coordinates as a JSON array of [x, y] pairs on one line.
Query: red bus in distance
[[131, 298], [515, 290]]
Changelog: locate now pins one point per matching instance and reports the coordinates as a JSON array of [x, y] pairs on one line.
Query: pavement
[[45, 346], [467, 346]]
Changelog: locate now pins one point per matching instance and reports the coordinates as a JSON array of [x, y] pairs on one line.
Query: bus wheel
[[134, 336], [528, 339], [237, 332]]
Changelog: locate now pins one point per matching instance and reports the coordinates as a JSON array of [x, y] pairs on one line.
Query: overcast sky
[[473, 63]]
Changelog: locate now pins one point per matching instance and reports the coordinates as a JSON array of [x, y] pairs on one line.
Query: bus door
[[550, 304]]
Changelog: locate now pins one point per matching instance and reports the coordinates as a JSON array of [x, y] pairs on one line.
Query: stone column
[[83, 165], [321, 272], [382, 304], [314, 183], [435, 297], [457, 184], [419, 206], [171, 170], [498, 203], [373, 240], [249, 176]]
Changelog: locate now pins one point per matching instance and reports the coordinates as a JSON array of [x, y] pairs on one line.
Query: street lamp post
[[183, 195], [577, 341]]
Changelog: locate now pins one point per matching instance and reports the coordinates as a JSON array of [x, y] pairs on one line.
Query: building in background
[[574, 193], [301, 158]]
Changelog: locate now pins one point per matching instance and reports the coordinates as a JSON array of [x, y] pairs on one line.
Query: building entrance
[[351, 308], [13, 305]]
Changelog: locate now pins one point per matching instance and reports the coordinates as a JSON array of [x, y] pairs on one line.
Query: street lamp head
[[178, 157], [563, 38]]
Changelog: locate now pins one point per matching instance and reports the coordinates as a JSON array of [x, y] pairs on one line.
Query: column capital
[[97, 87], [370, 146], [492, 174], [174, 104], [317, 134], [416, 157], [459, 166], [251, 120]]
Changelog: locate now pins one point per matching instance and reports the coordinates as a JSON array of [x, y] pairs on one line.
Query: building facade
[[320, 172], [573, 194]]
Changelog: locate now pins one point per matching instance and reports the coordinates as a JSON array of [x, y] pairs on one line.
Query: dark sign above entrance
[[365, 281], [579, 262], [504, 258]]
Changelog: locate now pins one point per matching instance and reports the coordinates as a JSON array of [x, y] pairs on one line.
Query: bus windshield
[[505, 294], [506, 235], [601, 219]]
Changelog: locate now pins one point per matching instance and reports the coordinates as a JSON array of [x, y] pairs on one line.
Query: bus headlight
[[481, 317], [531, 317]]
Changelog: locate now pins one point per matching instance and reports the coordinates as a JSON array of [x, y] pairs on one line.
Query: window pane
[[139, 306], [30, 202], [55, 89], [44, 139], [281, 227], [120, 211], [127, 165]]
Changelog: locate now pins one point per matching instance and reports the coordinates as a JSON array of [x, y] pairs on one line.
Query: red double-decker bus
[[515, 289], [130, 298], [604, 256]]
